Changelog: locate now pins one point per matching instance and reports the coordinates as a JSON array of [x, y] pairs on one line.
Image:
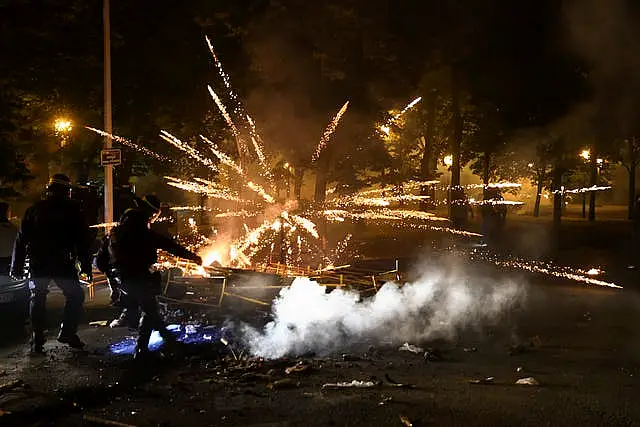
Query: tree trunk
[[632, 188], [536, 207], [321, 177], [557, 207], [297, 183], [593, 181], [486, 168], [425, 166], [457, 213]]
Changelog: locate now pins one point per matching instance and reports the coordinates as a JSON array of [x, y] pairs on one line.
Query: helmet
[[59, 186], [149, 205]]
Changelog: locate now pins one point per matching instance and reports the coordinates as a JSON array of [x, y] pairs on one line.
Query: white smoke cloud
[[437, 305]]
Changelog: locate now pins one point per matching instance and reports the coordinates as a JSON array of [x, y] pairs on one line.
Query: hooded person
[[133, 249], [55, 237]]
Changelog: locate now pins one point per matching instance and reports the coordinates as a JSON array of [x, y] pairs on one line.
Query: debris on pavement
[[385, 400], [283, 384], [410, 347], [104, 422], [527, 381], [519, 369], [470, 349], [299, 367], [433, 355], [3, 412], [350, 358], [396, 384], [99, 323], [405, 421], [10, 385], [352, 384], [487, 380]]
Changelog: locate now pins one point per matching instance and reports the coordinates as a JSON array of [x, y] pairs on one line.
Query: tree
[[629, 157]]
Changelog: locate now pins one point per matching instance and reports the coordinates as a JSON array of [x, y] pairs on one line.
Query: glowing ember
[[187, 149], [130, 144]]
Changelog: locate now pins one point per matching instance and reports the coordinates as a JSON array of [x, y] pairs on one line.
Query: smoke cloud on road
[[439, 304]]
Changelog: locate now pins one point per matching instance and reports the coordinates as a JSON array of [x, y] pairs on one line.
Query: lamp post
[[586, 155], [448, 162], [108, 124]]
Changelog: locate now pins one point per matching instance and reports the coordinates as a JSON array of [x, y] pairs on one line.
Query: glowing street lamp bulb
[[448, 160], [585, 154], [599, 161], [63, 125], [386, 129]]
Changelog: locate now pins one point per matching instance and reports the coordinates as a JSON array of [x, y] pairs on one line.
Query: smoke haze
[[440, 303]]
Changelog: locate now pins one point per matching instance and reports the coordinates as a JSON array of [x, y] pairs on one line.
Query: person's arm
[[173, 247], [23, 237]]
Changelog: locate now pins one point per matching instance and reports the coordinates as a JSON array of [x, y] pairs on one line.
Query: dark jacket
[[134, 246], [53, 235]]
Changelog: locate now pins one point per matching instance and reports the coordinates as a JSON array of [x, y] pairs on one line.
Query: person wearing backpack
[[133, 249], [55, 237]]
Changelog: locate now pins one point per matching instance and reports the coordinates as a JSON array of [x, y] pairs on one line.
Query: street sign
[[111, 157]]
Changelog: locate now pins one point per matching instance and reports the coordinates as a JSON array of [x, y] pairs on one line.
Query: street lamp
[[63, 128], [448, 161], [585, 154]]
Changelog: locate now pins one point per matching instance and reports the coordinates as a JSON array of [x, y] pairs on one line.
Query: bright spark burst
[[583, 189], [261, 192], [407, 108], [223, 157], [223, 110], [187, 149], [329, 131]]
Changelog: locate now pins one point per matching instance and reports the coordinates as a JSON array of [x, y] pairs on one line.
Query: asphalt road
[[579, 342]]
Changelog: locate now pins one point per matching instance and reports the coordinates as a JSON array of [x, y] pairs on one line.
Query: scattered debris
[[283, 384], [393, 383], [352, 384], [105, 422], [406, 421], [470, 349], [487, 380], [99, 323], [385, 400], [527, 381], [3, 412], [298, 368], [410, 347], [432, 355], [350, 358], [10, 385], [519, 369]]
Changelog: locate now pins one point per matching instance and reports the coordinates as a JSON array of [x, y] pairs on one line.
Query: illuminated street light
[[386, 129], [63, 128], [448, 160], [585, 154], [599, 161]]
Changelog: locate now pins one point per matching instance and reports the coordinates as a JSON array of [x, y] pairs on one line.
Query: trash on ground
[[10, 385], [405, 421], [527, 381], [99, 323], [385, 400], [433, 355], [350, 358], [298, 368], [283, 384], [105, 422], [487, 380], [412, 348], [352, 384], [470, 349], [396, 383]]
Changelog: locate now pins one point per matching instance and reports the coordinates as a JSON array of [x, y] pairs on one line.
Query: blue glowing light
[[187, 334]]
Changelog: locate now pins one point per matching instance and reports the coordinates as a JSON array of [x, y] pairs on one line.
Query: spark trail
[[329, 131], [188, 149], [130, 144]]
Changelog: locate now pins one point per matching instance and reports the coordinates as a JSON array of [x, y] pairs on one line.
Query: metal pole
[[108, 124]]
